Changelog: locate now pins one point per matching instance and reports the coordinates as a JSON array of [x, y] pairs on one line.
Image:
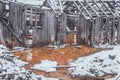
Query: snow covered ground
[[11, 68], [99, 64], [105, 46], [46, 65]]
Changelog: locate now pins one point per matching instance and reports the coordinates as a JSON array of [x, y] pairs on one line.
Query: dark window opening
[[33, 23], [28, 23], [28, 9]]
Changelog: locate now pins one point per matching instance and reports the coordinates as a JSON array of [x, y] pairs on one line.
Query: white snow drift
[[46, 65], [99, 64]]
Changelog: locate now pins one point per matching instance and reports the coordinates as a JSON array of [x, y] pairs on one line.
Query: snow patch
[[12, 68], [29, 56], [99, 64], [46, 65]]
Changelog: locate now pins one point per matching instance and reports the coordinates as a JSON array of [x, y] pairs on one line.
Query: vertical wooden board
[[118, 31], [97, 30], [23, 19], [19, 20], [85, 31], [79, 28], [12, 17], [56, 29], [64, 24], [44, 29], [2, 6], [52, 27], [22, 22], [1, 34], [48, 25], [40, 30], [35, 32], [113, 31], [91, 33], [7, 35], [107, 31], [100, 30], [82, 28]]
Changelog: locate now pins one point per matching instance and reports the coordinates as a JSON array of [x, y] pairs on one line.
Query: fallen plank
[[64, 66]]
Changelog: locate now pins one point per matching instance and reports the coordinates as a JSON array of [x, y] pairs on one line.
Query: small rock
[[9, 58], [1, 70], [95, 60], [101, 60], [11, 76], [112, 57]]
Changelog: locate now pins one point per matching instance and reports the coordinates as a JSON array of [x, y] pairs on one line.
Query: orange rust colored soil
[[62, 56]]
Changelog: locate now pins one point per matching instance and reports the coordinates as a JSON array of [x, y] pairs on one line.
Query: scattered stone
[[11, 76], [112, 57], [101, 60], [95, 60]]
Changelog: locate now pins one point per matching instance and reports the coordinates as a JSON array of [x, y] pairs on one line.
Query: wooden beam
[[80, 11], [92, 9], [51, 7], [85, 9], [108, 8], [61, 7], [100, 8]]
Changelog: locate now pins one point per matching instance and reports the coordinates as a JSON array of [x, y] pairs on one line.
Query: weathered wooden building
[[97, 21], [28, 25], [92, 22]]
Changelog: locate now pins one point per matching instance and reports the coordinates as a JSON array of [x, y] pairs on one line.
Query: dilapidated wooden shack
[[92, 22], [97, 21], [31, 25]]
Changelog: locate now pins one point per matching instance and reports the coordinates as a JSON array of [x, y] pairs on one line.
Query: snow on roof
[[34, 2]]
